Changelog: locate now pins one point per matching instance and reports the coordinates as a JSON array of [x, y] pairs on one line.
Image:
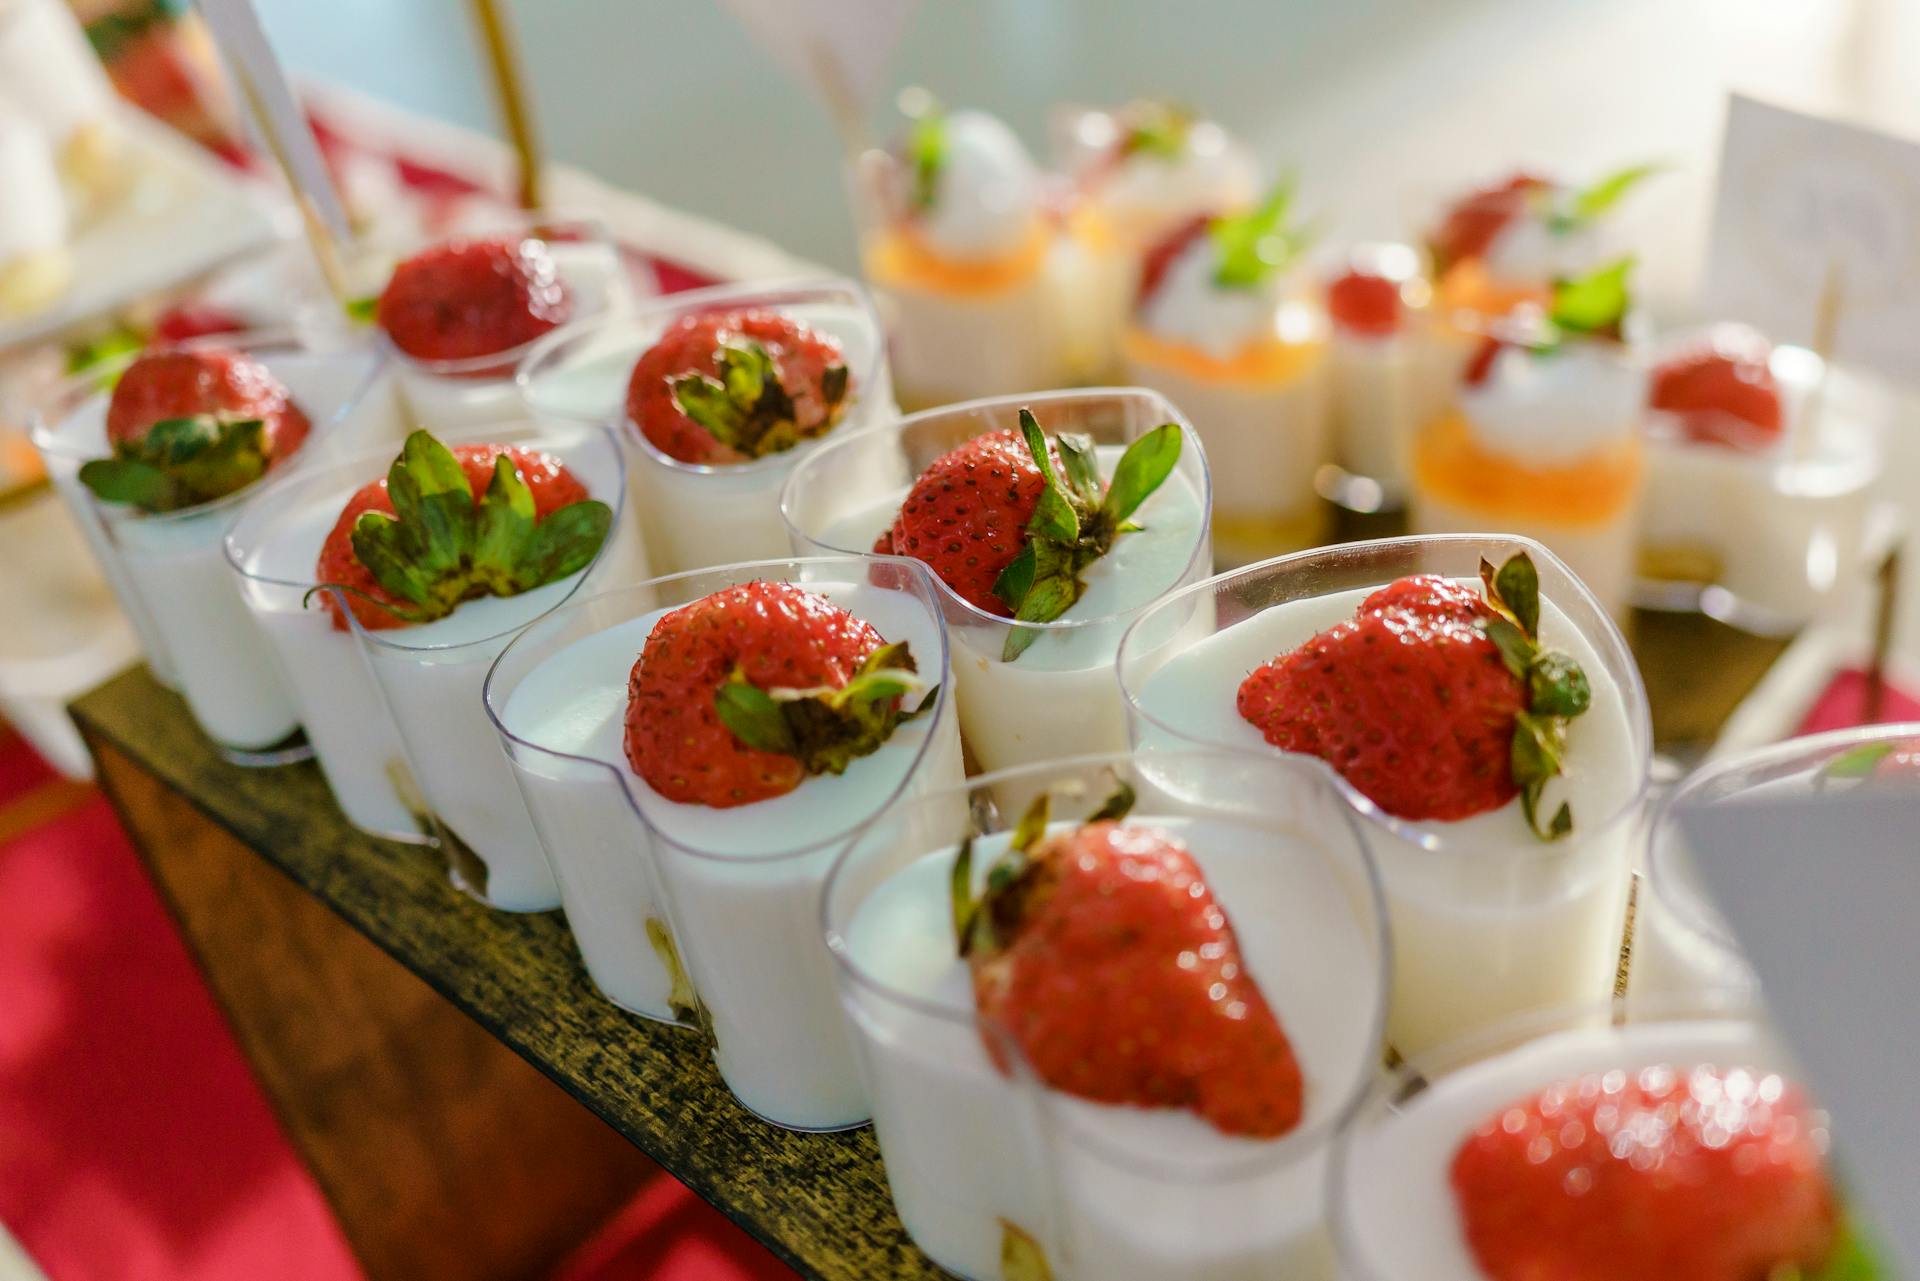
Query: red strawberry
[[967, 515], [1480, 365], [1721, 398], [687, 398], [189, 319], [229, 385], [714, 713], [1102, 953], [1658, 1175], [1363, 303], [553, 487], [470, 298], [1434, 703], [190, 427], [1160, 258], [1473, 222]]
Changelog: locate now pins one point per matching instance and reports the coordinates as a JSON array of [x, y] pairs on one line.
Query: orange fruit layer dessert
[[1452, 465]]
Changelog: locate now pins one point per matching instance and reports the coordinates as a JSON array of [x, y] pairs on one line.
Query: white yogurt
[[1493, 920], [431, 677], [451, 396], [170, 569], [742, 883], [697, 516], [1399, 1218], [1137, 1193], [1059, 698], [1265, 441], [1787, 523], [1377, 404], [986, 193]]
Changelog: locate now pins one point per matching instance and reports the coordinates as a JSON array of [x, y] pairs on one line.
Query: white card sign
[[1823, 893], [1803, 201]]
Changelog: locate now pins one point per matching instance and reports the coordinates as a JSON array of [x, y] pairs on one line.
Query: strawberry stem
[[1076, 520], [1557, 689], [825, 728], [181, 462]]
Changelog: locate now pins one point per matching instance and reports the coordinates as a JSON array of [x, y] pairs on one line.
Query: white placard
[[1801, 197], [1823, 892]]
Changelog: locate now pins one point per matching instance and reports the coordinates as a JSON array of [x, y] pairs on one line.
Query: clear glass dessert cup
[[274, 548], [431, 677], [168, 570], [1778, 522], [731, 895], [960, 328], [696, 514], [980, 1161], [1392, 1207], [449, 395], [1382, 389], [1681, 945], [1057, 697], [1488, 920]]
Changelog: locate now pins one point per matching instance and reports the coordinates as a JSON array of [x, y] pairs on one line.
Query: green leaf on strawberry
[[440, 548], [1858, 762], [1587, 205], [1075, 522], [1557, 688], [1252, 246], [927, 155], [1595, 304], [1155, 128], [181, 462], [748, 408], [826, 728]]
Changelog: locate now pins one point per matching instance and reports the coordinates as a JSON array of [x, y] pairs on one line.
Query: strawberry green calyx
[[181, 462], [984, 922], [1581, 209], [1075, 523], [440, 547], [1557, 688], [1152, 127], [824, 728], [1854, 1258], [1252, 246], [927, 156], [1594, 305], [747, 408]]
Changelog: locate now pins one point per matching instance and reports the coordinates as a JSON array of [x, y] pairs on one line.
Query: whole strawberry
[[470, 298], [1101, 952], [1662, 1174], [1010, 521], [188, 427], [1474, 221], [740, 695], [728, 386], [1436, 704], [1721, 397], [445, 526], [966, 516]]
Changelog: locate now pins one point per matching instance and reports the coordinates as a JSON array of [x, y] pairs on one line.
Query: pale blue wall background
[[1381, 103]]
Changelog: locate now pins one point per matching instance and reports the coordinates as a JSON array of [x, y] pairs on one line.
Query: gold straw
[[509, 84]]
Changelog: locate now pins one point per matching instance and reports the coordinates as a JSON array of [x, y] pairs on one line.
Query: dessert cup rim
[[1717, 1008], [1681, 903], [77, 391], [1299, 1143], [1610, 645], [621, 774], [1190, 442], [598, 232], [775, 293]]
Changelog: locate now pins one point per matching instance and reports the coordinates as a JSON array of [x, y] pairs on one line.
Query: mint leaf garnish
[[1252, 246]]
